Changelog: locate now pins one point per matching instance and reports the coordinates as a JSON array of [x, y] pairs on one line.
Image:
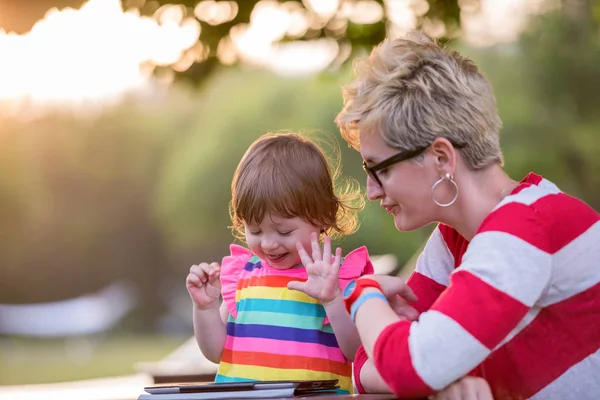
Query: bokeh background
[[121, 124]]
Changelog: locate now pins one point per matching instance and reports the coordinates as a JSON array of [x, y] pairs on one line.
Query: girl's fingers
[[304, 257], [316, 248], [327, 249], [338, 259], [194, 279]]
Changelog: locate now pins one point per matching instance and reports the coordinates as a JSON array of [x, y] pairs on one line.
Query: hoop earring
[[450, 179]]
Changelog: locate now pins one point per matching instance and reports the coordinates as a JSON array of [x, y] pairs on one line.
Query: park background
[[121, 124]]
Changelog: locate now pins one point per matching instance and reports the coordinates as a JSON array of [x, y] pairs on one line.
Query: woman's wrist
[[367, 294]]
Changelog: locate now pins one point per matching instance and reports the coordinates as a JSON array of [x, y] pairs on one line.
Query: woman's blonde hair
[[288, 175], [412, 91]]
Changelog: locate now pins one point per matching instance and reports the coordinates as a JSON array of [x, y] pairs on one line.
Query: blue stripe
[[282, 333], [226, 379], [222, 379], [254, 263], [282, 306]]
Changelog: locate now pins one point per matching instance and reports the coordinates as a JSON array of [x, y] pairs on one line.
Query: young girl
[[282, 200]]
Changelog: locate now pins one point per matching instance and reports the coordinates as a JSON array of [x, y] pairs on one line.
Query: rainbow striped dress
[[278, 334]]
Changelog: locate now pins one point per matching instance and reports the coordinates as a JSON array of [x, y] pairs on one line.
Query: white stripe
[[580, 382], [509, 264], [549, 186], [576, 267], [441, 350], [531, 194], [436, 262]]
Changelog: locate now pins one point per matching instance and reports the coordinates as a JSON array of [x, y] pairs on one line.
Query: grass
[[27, 361]]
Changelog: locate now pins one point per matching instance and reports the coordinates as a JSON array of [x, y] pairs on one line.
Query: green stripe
[[279, 319]]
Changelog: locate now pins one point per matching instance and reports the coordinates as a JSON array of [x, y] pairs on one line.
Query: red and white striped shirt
[[519, 305]]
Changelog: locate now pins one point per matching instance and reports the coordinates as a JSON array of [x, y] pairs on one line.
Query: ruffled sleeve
[[231, 268], [356, 264]]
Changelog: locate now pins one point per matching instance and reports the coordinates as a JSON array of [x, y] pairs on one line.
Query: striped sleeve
[[504, 272], [432, 271]]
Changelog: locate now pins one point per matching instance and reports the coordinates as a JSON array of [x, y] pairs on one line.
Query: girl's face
[[275, 239]]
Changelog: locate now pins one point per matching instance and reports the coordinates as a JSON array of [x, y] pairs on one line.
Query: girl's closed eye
[[286, 233], [254, 232]]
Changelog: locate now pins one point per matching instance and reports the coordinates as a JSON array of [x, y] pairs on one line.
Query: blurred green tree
[[324, 19], [355, 25]]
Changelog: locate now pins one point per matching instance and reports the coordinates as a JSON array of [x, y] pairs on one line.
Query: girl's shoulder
[[356, 264], [239, 260]]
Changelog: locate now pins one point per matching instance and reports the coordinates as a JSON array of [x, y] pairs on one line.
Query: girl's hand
[[204, 286], [323, 274], [467, 388]]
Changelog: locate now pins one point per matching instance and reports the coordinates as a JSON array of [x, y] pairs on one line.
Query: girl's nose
[[268, 243]]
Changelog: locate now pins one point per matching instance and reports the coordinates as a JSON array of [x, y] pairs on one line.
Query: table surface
[[346, 397], [123, 388]]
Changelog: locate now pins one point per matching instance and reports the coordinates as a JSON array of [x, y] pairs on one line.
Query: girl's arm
[[323, 284], [343, 328], [210, 330]]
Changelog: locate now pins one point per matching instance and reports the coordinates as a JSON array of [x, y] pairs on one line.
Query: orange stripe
[[268, 281], [285, 362]]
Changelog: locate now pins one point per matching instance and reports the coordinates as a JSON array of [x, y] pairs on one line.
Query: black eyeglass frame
[[395, 159]]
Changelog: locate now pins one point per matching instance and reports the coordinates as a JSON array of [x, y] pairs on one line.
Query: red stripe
[[484, 311], [559, 337], [533, 179], [519, 220], [392, 360], [455, 242], [285, 362], [278, 281], [360, 359], [572, 217], [426, 289], [530, 180], [550, 223]]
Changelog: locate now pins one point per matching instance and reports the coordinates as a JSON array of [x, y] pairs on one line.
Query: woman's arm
[[370, 380], [502, 275], [427, 281], [467, 388]]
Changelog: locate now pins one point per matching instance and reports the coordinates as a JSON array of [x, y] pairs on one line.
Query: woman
[[508, 284]]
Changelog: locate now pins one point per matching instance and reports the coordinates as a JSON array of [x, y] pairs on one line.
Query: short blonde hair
[[289, 175], [412, 91]]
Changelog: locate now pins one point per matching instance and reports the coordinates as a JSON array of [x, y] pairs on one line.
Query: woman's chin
[[404, 224]]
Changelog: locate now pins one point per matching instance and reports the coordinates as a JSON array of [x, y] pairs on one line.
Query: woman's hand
[[323, 273], [467, 388], [399, 295]]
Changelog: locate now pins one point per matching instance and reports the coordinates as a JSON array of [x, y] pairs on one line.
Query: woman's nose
[[374, 191]]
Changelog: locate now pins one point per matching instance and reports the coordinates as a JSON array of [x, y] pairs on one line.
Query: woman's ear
[[444, 156]]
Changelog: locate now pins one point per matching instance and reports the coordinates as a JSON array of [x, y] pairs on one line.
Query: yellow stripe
[[265, 292], [273, 374]]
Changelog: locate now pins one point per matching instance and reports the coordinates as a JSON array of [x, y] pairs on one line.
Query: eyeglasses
[[399, 157]]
